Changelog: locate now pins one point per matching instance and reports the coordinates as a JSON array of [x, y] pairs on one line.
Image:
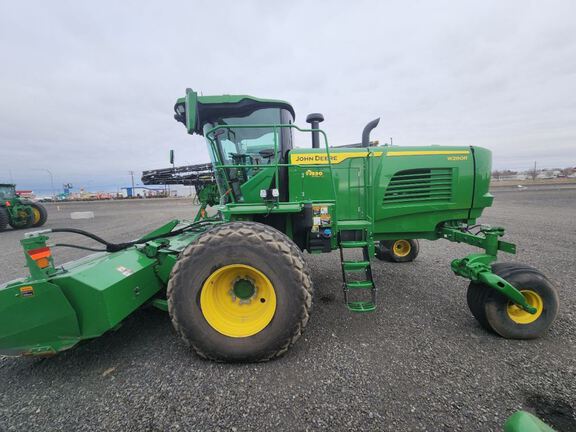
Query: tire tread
[[479, 295], [4, 219], [255, 232]]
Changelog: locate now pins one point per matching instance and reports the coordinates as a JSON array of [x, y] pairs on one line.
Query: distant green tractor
[[19, 213]]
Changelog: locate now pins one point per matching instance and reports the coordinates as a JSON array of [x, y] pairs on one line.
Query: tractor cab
[[7, 191], [248, 138]]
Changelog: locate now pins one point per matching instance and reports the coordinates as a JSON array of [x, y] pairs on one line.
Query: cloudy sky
[[87, 88]]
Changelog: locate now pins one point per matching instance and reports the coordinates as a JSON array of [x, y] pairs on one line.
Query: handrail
[[223, 167]]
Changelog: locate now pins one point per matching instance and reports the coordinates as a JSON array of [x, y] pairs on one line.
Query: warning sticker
[[125, 271], [27, 291], [321, 216]]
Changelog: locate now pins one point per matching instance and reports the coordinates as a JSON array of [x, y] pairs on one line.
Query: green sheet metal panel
[[36, 317], [416, 188], [413, 189], [108, 288], [310, 180]]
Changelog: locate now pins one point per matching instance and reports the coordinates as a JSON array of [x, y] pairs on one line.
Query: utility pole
[[132, 175], [391, 142], [51, 180], [52, 184]]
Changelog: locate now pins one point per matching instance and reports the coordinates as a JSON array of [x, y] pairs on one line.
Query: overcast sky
[[87, 88]]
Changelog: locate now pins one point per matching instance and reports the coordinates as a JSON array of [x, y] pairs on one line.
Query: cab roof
[[195, 111]]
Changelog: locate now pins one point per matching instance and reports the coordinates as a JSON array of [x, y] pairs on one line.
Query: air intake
[[420, 185]]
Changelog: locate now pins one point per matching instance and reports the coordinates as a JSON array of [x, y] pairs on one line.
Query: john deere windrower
[[236, 284]]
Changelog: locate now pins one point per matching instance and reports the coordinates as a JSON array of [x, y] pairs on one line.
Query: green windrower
[[234, 278]]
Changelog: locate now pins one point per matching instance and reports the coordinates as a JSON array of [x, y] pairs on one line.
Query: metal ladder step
[[361, 306], [353, 244], [359, 242], [365, 284], [355, 265]]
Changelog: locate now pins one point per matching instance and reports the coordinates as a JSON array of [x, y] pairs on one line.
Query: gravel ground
[[420, 362]]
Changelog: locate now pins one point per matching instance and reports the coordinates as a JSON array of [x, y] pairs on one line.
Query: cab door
[[350, 188]]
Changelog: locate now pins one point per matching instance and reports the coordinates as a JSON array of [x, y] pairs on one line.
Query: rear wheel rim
[[402, 248], [238, 300], [519, 315], [36, 214]]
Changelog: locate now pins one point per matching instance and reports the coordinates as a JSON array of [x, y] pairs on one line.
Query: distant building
[[545, 175], [26, 194], [146, 192]]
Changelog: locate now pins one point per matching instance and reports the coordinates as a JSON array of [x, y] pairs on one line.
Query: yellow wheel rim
[[401, 248], [519, 315], [238, 300], [36, 214]]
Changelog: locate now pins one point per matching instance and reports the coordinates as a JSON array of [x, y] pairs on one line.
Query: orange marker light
[[43, 262], [41, 256]]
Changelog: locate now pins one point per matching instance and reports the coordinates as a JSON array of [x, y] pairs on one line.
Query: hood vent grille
[[420, 185]]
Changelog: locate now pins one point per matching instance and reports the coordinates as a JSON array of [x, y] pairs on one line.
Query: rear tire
[[214, 322], [40, 214], [496, 312], [401, 250], [4, 219]]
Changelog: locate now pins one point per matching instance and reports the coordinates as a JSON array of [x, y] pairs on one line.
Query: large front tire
[[240, 292], [496, 312]]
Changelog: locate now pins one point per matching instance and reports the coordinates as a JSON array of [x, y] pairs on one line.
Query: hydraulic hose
[[115, 247], [78, 247]]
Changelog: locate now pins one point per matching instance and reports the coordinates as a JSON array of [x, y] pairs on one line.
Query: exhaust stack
[[366, 132], [314, 119]]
